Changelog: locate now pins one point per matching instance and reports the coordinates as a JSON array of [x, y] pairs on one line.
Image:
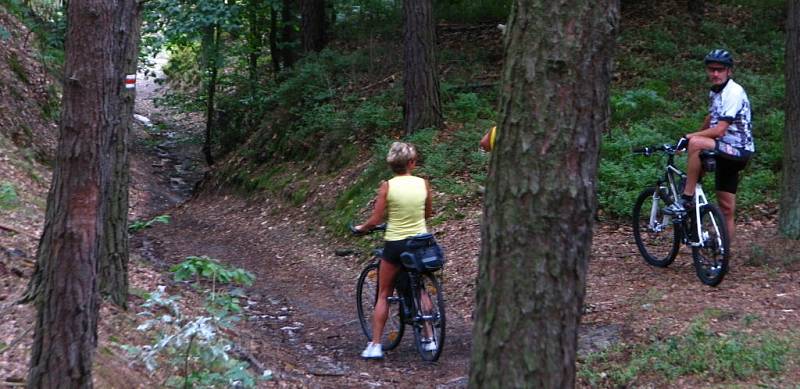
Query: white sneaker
[[429, 345], [373, 351]]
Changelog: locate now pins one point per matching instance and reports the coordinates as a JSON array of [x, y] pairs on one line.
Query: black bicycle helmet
[[720, 56]]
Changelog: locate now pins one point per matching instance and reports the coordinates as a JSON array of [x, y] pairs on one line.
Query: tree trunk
[[540, 204], [313, 25], [274, 52], [256, 16], [423, 107], [696, 9], [789, 218], [113, 269], [288, 43], [211, 42], [66, 322]]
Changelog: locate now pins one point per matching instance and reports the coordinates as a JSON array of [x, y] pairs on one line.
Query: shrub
[[8, 196], [468, 108]]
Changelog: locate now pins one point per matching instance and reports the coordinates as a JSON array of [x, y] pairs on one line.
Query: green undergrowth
[[699, 353], [335, 109], [9, 199], [662, 95]]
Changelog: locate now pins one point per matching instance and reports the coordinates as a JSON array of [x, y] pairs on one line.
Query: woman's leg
[[427, 308], [387, 272]]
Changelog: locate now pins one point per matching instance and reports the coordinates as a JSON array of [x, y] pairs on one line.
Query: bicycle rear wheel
[[429, 323], [711, 258], [654, 233], [366, 296]]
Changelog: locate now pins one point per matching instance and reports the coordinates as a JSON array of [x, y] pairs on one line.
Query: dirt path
[[301, 319]]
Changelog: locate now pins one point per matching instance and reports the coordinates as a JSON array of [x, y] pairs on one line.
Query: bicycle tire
[[711, 260], [430, 284], [657, 244], [366, 295]]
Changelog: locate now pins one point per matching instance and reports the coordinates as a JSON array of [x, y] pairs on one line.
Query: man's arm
[[713, 132]]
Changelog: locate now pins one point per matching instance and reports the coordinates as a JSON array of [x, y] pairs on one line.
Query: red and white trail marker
[[130, 81]]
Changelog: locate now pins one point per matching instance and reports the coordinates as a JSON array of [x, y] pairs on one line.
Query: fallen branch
[[9, 229], [388, 78], [244, 354]]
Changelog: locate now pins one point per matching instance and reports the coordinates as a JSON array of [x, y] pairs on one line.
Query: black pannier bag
[[422, 253]]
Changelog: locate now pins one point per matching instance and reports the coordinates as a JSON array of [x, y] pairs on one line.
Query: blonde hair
[[400, 154]]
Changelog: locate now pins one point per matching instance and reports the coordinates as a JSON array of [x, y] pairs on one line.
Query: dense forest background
[[334, 108], [302, 122]]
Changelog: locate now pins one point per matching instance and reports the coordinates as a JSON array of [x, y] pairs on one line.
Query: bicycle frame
[[405, 292], [700, 199]]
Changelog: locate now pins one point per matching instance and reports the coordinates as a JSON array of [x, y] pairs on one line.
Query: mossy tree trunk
[[67, 303], [540, 204], [423, 106], [789, 218], [113, 268]]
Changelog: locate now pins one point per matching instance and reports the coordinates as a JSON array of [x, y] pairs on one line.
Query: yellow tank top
[[405, 202]]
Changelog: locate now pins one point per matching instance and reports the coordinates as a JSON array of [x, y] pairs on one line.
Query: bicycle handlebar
[[354, 231], [666, 147]]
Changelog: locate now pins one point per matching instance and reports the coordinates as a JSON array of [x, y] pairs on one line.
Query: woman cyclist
[[406, 201]]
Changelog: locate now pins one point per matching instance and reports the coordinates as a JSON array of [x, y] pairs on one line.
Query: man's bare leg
[[727, 204], [693, 166]]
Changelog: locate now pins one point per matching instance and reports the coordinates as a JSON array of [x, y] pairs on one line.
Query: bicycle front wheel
[[366, 296], [429, 323], [654, 233], [711, 255]]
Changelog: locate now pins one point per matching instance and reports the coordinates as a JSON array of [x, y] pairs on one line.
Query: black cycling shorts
[[392, 250], [726, 176]]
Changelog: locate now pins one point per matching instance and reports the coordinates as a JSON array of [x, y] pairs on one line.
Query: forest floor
[[300, 316]]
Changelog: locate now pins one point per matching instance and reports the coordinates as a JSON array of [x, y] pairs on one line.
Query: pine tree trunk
[[313, 25], [696, 9], [211, 42], [113, 269], [288, 43], [274, 51], [540, 204], [66, 323], [423, 107], [789, 218]]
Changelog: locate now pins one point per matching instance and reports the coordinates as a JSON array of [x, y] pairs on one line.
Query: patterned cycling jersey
[[732, 105]]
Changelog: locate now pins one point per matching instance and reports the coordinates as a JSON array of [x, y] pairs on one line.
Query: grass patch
[[700, 352], [8, 196], [16, 66]]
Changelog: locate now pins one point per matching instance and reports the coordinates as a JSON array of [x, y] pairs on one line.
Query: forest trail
[[301, 320]]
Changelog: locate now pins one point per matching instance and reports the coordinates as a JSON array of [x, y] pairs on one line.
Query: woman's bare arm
[[428, 201], [378, 211]]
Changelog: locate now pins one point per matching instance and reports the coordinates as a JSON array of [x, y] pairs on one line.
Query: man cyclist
[[726, 130]]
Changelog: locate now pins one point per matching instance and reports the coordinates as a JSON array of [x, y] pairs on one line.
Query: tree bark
[[423, 107], [66, 321], [211, 42], [313, 25], [789, 218], [113, 269], [287, 42], [274, 52], [540, 204], [696, 9]]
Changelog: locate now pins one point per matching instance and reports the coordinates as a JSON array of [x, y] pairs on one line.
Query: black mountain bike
[[701, 227], [417, 301]]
